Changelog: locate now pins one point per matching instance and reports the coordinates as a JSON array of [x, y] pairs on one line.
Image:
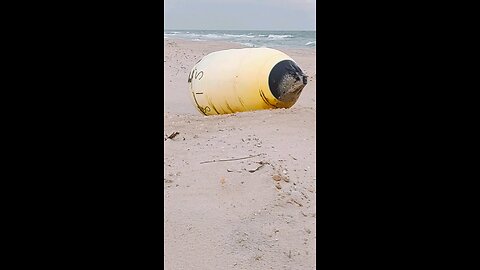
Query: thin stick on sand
[[231, 159]]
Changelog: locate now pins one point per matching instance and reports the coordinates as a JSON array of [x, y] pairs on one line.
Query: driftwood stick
[[231, 159]]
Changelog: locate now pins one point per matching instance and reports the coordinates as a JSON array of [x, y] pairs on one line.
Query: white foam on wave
[[240, 36], [248, 44], [212, 36], [279, 36], [311, 43]]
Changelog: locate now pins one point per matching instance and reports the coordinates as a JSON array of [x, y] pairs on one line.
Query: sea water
[[254, 39]]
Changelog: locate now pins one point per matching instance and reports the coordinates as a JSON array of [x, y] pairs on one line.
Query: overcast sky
[[239, 14]]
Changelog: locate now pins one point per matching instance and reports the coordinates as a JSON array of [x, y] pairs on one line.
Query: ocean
[[290, 39]]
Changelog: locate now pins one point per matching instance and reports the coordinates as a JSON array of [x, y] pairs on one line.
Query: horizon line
[[233, 30]]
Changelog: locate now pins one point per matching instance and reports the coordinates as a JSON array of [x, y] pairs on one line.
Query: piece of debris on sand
[[173, 135]]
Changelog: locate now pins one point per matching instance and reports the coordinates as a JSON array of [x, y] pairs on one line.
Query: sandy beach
[[246, 213]]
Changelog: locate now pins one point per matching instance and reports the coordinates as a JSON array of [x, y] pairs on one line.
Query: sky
[[281, 15]]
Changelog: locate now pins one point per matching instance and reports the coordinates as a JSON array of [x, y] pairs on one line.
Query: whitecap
[[240, 36], [248, 44], [279, 36], [212, 36]]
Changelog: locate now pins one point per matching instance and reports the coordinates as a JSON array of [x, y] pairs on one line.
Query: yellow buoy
[[247, 79]]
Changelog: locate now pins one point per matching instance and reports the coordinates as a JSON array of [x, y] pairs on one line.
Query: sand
[[250, 213]]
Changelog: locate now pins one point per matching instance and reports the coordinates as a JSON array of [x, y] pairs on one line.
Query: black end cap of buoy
[[281, 70]]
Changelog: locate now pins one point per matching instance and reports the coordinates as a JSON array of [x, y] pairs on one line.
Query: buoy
[[248, 79]]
